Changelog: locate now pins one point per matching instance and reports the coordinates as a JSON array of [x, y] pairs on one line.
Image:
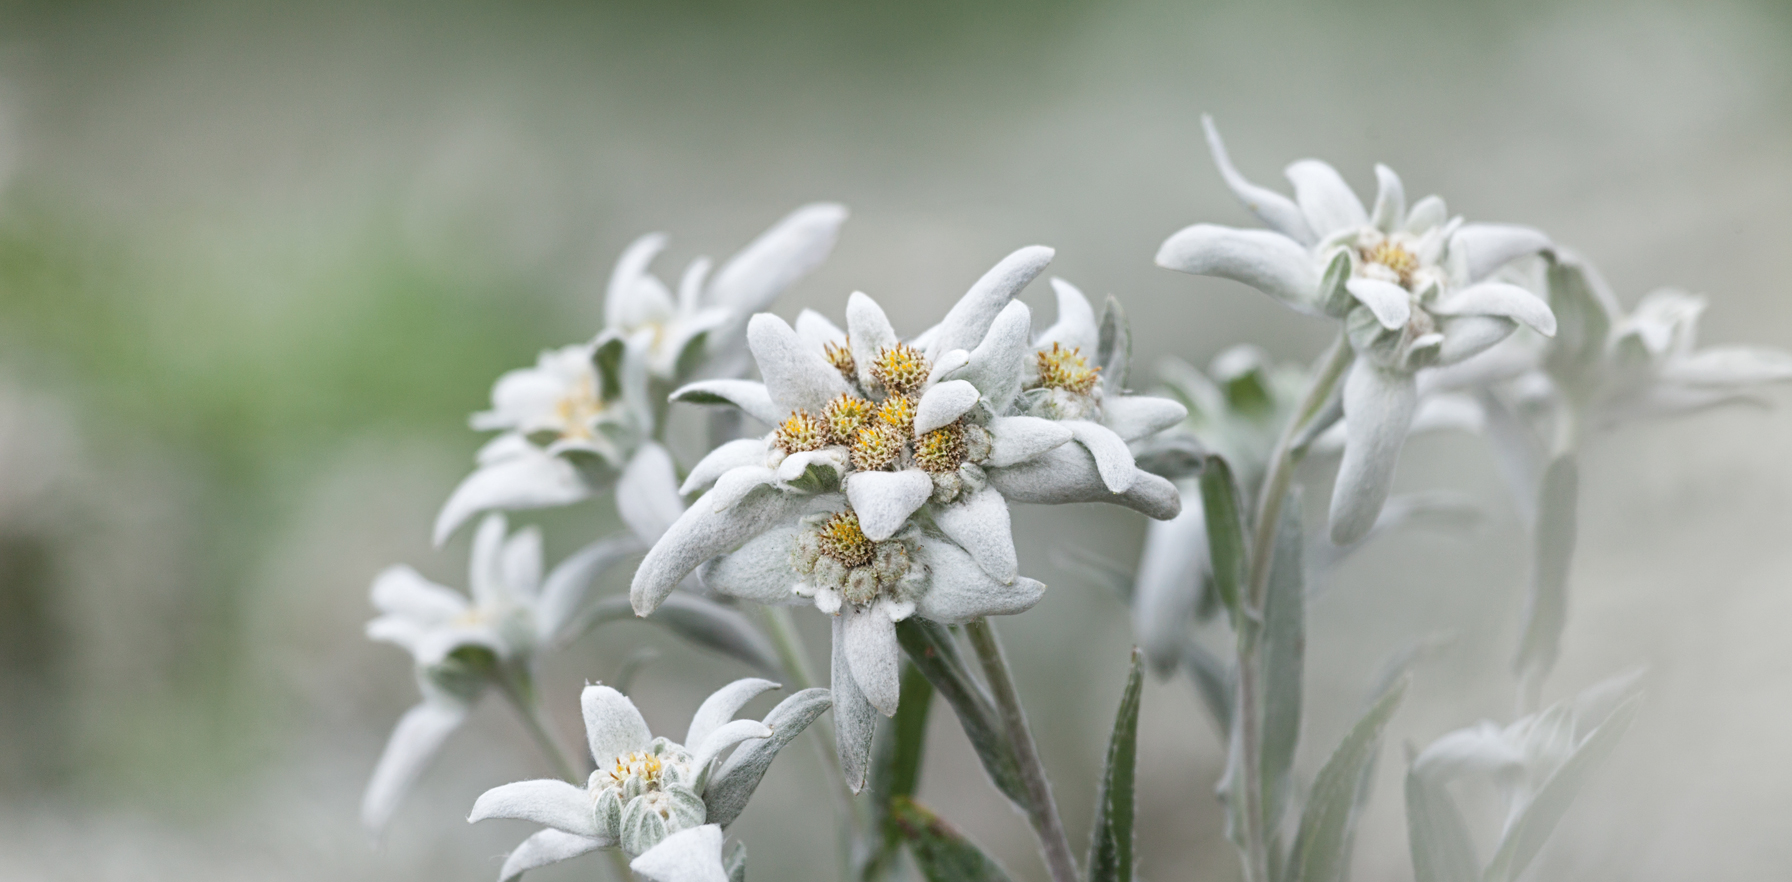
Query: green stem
[[1042, 811], [1263, 540], [519, 688], [793, 654]]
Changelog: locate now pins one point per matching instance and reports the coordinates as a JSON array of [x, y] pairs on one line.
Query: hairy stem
[[1263, 540], [520, 690], [1042, 811]]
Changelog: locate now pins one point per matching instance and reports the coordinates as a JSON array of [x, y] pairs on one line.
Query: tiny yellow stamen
[[840, 356], [901, 368], [875, 446], [1395, 257], [898, 413], [844, 415], [1065, 368], [941, 450], [802, 432], [841, 539], [639, 763]]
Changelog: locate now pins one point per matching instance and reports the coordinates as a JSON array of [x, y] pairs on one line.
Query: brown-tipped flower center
[[1063, 367], [844, 416], [641, 763], [841, 539], [1395, 257], [901, 368], [941, 450], [840, 356], [875, 446], [898, 413], [802, 432]]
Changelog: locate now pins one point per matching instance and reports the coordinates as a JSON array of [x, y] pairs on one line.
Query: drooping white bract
[[703, 321], [460, 643], [883, 491], [570, 423], [1413, 288], [646, 790]]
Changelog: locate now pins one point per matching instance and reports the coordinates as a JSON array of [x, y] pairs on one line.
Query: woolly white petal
[[725, 736], [1168, 585], [690, 855], [737, 484], [1478, 748], [1020, 438], [521, 564], [547, 847], [944, 404], [947, 363], [414, 742], [816, 330], [794, 246], [702, 533], [1274, 209], [485, 576], [959, 590], [555, 804], [613, 726], [869, 331], [733, 455], [647, 493], [1729, 366], [750, 396], [1498, 299], [624, 279], [794, 465], [1378, 408], [1390, 200], [1068, 474], [721, 706], [997, 366], [796, 376], [884, 500], [1391, 303], [759, 571], [1270, 262], [1466, 336], [564, 590], [855, 720], [402, 591], [1491, 246], [980, 524], [1135, 416], [875, 658], [532, 479], [1076, 325], [1112, 458], [1324, 198], [970, 318]]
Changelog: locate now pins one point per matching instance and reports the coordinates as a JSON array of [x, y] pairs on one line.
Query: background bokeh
[[258, 262]]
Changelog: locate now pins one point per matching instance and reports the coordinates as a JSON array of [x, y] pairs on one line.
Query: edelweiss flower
[[572, 421], [460, 643], [883, 492], [645, 789], [703, 321], [1412, 287]]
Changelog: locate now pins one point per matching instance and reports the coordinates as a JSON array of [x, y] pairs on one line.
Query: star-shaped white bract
[[458, 642], [702, 322], [883, 492], [646, 790], [1414, 289]]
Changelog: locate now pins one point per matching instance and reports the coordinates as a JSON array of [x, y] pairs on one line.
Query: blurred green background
[[258, 262]]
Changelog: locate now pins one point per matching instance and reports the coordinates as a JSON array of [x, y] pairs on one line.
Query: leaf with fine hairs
[[1225, 533], [896, 769], [1284, 658], [1546, 611], [1113, 350], [1441, 848], [1322, 847], [935, 652], [941, 852], [1111, 843]]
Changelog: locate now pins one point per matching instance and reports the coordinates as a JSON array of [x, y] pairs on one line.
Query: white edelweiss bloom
[[513, 611], [646, 790], [568, 425], [900, 457], [702, 321], [1412, 286]]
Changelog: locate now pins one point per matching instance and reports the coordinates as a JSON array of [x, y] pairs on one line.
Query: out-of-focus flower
[[883, 492], [646, 790], [1413, 289], [461, 643], [570, 423]]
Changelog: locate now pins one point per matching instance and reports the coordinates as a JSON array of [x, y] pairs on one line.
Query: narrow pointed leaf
[[896, 768], [1225, 532], [1322, 847], [1526, 835], [941, 852], [1441, 848], [1114, 347], [934, 651], [1110, 845], [1546, 611], [1284, 655]]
